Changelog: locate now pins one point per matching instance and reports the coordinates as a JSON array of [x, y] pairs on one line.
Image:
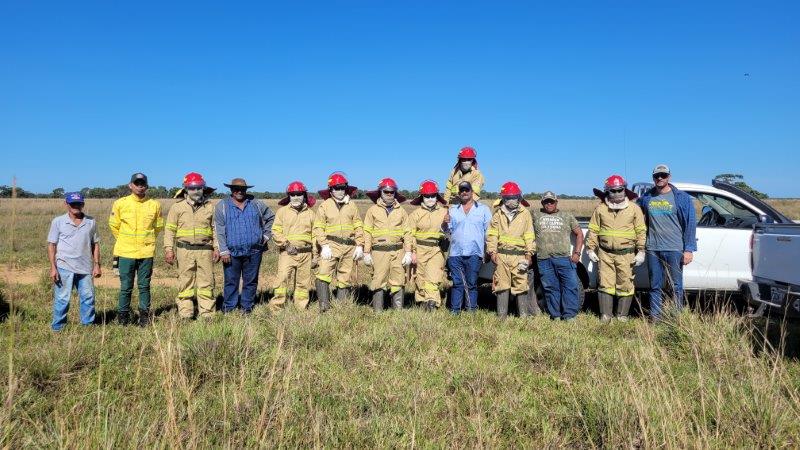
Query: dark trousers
[[464, 272], [665, 268], [140, 270], [243, 268], [560, 285]]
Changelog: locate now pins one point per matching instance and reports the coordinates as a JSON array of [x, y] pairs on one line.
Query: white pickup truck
[[776, 278], [725, 219]]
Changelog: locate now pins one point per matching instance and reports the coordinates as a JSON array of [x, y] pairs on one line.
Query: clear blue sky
[[555, 97]]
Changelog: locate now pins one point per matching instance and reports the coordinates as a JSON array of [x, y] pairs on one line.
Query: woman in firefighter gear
[[616, 243], [338, 231], [466, 169], [189, 240], [510, 242], [385, 237], [292, 234], [427, 225]]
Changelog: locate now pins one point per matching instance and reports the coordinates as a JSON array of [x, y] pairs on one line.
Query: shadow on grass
[[775, 334], [110, 316], [5, 307]]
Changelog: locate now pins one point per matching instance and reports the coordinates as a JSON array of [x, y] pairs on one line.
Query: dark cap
[[465, 186], [139, 176], [73, 197]]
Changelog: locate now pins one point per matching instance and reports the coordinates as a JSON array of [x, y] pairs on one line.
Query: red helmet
[[387, 183], [467, 153], [428, 187], [511, 189], [337, 178], [615, 181], [193, 179], [383, 184], [296, 186]]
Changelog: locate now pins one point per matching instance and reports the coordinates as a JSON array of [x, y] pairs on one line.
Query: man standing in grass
[[74, 252], [135, 221], [556, 263]]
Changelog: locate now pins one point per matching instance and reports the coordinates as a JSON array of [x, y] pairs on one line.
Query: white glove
[[638, 260], [406, 259], [326, 253], [368, 259], [592, 256], [358, 253], [522, 266]]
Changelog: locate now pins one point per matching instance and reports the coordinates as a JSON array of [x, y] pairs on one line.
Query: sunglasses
[[617, 190], [76, 204], [657, 176], [238, 189], [430, 196], [464, 189], [548, 202], [190, 189], [339, 187], [296, 194], [140, 183], [388, 192]]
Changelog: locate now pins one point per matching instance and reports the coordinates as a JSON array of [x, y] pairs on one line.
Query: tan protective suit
[[189, 232], [293, 227], [513, 241], [340, 227], [384, 236], [425, 228], [475, 178]]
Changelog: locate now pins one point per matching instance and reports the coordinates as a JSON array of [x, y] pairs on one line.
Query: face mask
[[338, 194], [616, 197], [511, 203], [296, 201], [466, 165], [387, 198], [195, 195], [429, 202]]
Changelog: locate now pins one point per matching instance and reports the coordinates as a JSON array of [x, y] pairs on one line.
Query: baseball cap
[[661, 168], [138, 176], [549, 195], [464, 186], [73, 197]]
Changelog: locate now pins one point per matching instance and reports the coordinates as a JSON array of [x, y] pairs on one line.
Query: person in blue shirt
[[468, 223]]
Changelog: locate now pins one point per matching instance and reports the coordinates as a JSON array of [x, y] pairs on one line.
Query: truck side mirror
[[763, 218]]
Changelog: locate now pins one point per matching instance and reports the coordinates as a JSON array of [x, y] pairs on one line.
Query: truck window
[[715, 211]]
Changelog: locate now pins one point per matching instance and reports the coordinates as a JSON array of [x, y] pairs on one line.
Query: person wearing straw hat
[[243, 226]]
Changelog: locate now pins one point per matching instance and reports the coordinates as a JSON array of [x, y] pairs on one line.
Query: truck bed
[[776, 252]]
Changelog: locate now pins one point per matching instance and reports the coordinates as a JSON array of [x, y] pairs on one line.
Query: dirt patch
[[32, 275]]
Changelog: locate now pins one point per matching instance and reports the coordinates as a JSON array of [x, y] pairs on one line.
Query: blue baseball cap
[[73, 197]]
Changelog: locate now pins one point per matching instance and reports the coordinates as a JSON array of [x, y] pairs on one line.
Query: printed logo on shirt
[[551, 224], [660, 208]]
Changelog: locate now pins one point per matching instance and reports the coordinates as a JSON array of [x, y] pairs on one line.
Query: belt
[[428, 243], [387, 247], [302, 250], [339, 240], [621, 251], [188, 246], [511, 251]]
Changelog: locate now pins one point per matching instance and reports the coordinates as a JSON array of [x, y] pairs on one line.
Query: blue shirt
[[241, 232], [74, 243], [468, 231]]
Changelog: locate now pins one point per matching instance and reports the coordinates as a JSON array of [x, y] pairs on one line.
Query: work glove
[[368, 259], [358, 253], [407, 258], [326, 253], [638, 260], [522, 265], [592, 256]]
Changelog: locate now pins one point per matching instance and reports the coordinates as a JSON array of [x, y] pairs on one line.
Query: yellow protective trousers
[[196, 280], [430, 274], [294, 275], [338, 271], [387, 270], [615, 273], [508, 276]]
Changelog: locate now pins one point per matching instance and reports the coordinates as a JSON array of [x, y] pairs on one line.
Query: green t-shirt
[[553, 233]]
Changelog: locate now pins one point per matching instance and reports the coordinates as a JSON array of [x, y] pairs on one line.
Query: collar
[[137, 199]]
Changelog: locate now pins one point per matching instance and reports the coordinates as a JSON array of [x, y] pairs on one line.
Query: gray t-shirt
[[73, 243], [664, 232], [553, 233]]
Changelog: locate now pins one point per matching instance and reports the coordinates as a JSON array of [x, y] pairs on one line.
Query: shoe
[[144, 317], [431, 306], [124, 318]]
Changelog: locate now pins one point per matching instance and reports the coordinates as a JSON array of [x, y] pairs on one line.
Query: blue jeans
[[62, 291], [664, 268], [560, 284], [464, 271], [243, 268]]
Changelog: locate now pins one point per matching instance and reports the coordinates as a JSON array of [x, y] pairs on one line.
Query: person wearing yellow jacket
[[385, 233], [510, 241], [338, 231], [427, 225], [466, 169], [189, 240], [616, 243], [292, 234], [135, 221]]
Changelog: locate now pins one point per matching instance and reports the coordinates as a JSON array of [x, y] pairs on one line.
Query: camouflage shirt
[[553, 233]]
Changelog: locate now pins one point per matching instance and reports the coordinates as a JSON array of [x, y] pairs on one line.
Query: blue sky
[[554, 97]]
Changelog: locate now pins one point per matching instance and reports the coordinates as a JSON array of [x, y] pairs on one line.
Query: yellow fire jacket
[[425, 227], [515, 235], [474, 176], [191, 225], [617, 229], [135, 222], [293, 227], [385, 228], [341, 223]]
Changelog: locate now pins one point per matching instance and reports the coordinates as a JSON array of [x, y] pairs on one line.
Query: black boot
[[377, 300], [144, 317], [533, 302], [124, 318], [397, 299], [606, 303], [342, 294], [624, 307], [430, 306], [323, 295], [522, 305], [502, 304]]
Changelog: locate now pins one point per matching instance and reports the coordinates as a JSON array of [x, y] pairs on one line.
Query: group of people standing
[[400, 247]]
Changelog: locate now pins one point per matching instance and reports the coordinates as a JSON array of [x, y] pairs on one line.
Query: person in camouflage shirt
[[556, 257]]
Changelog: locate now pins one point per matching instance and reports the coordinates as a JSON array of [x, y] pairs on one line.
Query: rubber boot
[[431, 306], [342, 294], [606, 303], [397, 299], [124, 318], [144, 317], [323, 295], [533, 303], [522, 305], [502, 305], [624, 307], [377, 300]]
